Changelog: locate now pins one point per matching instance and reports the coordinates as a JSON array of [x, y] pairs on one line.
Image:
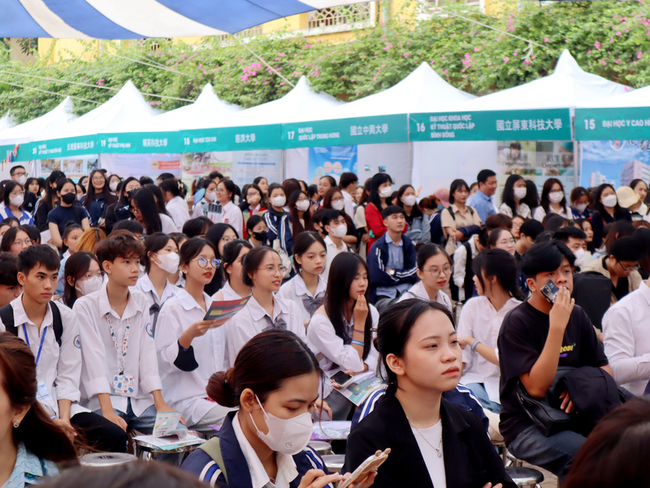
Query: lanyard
[[40, 348], [121, 358]]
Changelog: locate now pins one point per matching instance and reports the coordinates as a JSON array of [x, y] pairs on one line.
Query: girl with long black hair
[[98, 196], [119, 210], [514, 192], [145, 210]]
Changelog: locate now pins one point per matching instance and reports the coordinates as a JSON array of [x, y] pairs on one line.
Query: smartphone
[[341, 378], [550, 291], [365, 468]]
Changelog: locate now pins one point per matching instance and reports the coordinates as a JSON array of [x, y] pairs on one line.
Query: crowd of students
[[104, 291]]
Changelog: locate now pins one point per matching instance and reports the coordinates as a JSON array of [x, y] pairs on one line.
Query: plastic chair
[[526, 477]]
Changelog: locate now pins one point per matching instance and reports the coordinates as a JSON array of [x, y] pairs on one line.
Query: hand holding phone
[[366, 468], [342, 379]]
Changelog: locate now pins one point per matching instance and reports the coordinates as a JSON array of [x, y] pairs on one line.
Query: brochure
[[167, 425], [328, 430], [169, 443], [221, 312], [363, 385]]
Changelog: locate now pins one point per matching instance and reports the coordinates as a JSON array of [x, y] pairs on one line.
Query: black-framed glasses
[[204, 263]]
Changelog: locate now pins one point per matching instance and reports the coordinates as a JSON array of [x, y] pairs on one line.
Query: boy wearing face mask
[[335, 229], [52, 333]]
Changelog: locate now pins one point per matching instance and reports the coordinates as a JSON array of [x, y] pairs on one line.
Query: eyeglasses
[[19, 174], [26, 242], [272, 270], [337, 200], [507, 241], [16, 194], [629, 270], [205, 263], [135, 210], [438, 271]]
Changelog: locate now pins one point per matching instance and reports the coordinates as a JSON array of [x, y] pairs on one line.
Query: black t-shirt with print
[[521, 340]]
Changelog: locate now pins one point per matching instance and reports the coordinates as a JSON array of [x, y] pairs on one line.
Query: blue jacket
[[201, 465], [377, 260], [279, 227]]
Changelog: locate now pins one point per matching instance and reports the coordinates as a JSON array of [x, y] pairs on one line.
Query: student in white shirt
[[434, 271], [495, 276], [207, 206], [348, 183], [275, 386], [82, 276], [341, 330], [231, 264], [160, 262], [256, 230], [263, 271], [174, 203], [119, 374], [307, 287], [189, 348], [230, 213], [144, 209], [52, 333], [553, 201], [70, 237], [219, 235], [460, 263], [335, 229]]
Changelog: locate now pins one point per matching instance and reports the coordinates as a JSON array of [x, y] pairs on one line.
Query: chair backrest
[[593, 292]]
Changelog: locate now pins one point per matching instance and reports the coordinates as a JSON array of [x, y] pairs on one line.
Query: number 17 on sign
[[290, 134]]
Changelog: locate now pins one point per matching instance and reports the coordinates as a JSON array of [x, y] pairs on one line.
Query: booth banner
[[195, 166], [332, 161], [338, 132], [138, 165], [232, 138], [614, 162], [72, 167], [607, 124], [59, 148], [527, 125]]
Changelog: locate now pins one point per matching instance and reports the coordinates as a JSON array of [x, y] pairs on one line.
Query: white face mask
[[168, 262], [278, 201], [113, 186], [22, 180], [521, 193], [288, 436], [89, 286], [409, 200], [609, 201], [580, 255], [338, 205], [386, 192], [556, 196], [17, 201], [210, 196], [302, 205], [581, 207], [340, 231]]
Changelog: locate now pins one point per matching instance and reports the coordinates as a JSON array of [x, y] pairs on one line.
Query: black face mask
[[68, 198], [260, 236]]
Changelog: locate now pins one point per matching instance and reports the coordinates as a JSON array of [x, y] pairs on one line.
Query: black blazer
[[470, 458]]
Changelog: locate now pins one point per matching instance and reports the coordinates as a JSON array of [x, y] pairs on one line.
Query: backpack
[[437, 235], [7, 316], [593, 292]]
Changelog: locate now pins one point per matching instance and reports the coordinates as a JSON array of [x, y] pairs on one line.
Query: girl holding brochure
[[233, 255], [190, 348], [307, 288], [341, 329]]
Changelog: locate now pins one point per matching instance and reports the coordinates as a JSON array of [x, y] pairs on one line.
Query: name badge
[[124, 384], [42, 393]]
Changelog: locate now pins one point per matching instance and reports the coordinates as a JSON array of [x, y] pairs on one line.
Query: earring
[[16, 424]]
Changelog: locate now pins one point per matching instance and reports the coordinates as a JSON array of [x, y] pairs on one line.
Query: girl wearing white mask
[[580, 203], [231, 263], [419, 228], [83, 276], [160, 262], [14, 197], [207, 206], [189, 348], [300, 212], [553, 201], [334, 200], [607, 210], [514, 192], [274, 384], [278, 221], [381, 190]]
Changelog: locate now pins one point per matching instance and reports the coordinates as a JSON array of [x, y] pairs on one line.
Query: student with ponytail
[[232, 265], [274, 384], [174, 203]]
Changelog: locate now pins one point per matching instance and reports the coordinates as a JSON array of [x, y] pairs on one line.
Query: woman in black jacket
[[434, 443]]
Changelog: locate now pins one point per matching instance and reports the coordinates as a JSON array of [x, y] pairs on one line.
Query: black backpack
[[7, 316], [593, 292]]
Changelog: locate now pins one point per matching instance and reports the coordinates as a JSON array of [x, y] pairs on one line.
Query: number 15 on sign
[[590, 124]]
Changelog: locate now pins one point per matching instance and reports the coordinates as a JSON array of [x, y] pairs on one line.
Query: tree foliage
[[608, 38]]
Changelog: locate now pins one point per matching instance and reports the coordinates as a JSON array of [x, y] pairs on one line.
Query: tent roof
[[568, 86], [206, 111], [636, 98], [301, 103], [6, 122], [128, 19], [126, 108], [42, 127], [421, 91]]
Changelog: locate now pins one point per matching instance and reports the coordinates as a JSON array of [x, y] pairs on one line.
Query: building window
[[245, 34], [425, 12], [350, 14]]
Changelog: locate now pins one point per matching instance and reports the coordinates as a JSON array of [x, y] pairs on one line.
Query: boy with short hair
[[348, 183], [120, 369], [335, 229], [10, 289], [392, 259], [52, 333], [535, 339]]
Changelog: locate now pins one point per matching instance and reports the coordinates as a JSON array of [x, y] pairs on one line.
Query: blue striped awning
[[135, 19]]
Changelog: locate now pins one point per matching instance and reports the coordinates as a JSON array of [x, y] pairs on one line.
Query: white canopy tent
[[41, 127], [636, 98]]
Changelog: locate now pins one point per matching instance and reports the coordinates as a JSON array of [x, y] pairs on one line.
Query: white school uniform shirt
[[225, 294], [332, 252], [253, 319], [100, 356], [540, 213], [296, 291], [168, 225], [231, 214], [59, 368], [287, 470], [145, 285], [460, 260], [480, 320], [185, 390], [178, 211], [333, 353], [626, 339], [419, 291], [349, 204]]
